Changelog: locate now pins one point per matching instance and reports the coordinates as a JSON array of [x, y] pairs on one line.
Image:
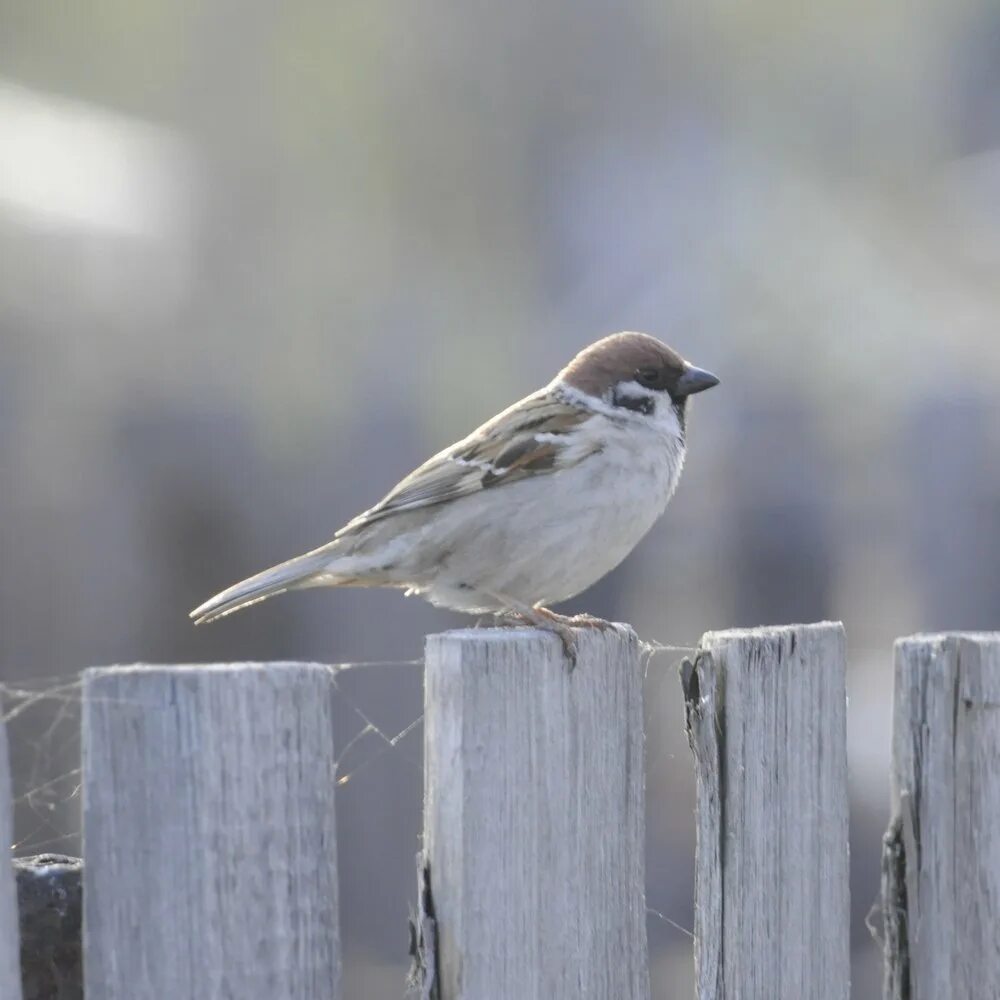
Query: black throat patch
[[680, 408]]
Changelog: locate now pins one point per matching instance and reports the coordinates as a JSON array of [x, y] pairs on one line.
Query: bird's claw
[[568, 639], [591, 621], [548, 621]]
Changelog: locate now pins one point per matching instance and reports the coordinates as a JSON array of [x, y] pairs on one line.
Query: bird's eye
[[648, 377]]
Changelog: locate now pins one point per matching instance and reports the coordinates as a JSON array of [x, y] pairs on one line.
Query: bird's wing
[[528, 439]]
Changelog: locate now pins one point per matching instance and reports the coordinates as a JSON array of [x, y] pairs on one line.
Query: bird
[[528, 510]]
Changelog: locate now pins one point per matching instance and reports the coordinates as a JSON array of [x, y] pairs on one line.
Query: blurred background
[[258, 260]]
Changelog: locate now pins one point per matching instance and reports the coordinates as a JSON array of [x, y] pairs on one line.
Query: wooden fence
[[210, 863]]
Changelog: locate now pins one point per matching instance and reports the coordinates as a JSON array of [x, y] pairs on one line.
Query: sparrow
[[531, 508]]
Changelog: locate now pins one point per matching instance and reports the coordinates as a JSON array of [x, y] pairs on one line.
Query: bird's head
[[636, 373]]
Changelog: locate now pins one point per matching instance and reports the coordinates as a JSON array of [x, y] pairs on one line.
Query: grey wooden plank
[[767, 723], [533, 866], [10, 963], [209, 837], [50, 904], [941, 856]]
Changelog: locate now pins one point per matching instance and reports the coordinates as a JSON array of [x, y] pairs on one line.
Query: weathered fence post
[[941, 854], [50, 900], [767, 724], [533, 869], [209, 839], [10, 962]]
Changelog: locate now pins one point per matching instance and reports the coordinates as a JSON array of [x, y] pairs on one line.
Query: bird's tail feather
[[308, 570]]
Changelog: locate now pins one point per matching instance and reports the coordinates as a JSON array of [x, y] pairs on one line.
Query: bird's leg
[[592, 621], [542, 618], [507, 619], [577, 621]]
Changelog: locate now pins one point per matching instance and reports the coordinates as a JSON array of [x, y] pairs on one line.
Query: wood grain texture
[[10, 962], [941, 856], [534, 816], [209, 838], [767, 724]]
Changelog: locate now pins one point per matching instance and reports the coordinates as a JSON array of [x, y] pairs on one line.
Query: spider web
[[43, 719]]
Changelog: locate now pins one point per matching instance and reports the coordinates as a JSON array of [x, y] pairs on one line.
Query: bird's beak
[[695, 380]]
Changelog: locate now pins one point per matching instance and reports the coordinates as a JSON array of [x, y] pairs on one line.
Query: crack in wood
[[893, 910], [422, 978]]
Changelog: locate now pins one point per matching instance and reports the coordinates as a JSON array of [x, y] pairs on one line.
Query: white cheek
[[666, 419]]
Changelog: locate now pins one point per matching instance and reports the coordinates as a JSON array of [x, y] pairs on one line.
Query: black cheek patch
[[639, 404]]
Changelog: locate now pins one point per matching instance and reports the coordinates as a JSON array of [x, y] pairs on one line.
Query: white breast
[[545, 539]]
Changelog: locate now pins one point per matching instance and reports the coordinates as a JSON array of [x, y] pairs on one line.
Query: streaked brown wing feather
[[504, 450]]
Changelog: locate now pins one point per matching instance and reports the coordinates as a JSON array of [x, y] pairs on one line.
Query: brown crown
[[617, 359]]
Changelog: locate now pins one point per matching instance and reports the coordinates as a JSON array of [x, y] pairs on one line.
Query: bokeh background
[[257, 260]]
